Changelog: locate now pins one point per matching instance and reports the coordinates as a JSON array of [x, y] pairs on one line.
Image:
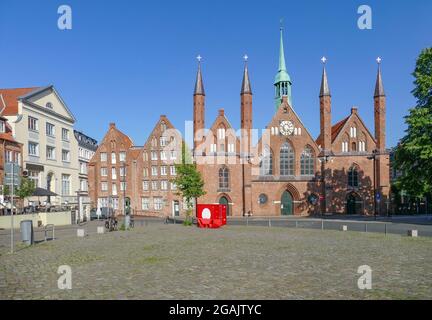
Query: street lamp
[[373, 157]]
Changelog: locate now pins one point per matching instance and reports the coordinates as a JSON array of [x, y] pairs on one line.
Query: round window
[[313, 199], [49, 105], [262, 198]]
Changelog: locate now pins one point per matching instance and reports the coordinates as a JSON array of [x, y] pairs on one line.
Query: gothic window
[[286, 160], [353, 177], [223, 178], [353, 147], [307, 162], [266, 165], [163, 126]]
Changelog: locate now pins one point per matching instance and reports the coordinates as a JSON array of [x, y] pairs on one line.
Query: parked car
[[93, 214]]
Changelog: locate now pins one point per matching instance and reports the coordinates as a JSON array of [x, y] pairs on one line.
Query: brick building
[[287, 172]]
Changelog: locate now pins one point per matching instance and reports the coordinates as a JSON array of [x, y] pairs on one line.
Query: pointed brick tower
[[382, 160], [246, 112], [325, 113], [198, 108]]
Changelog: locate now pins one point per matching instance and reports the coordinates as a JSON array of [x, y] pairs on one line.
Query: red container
[[211, 215]]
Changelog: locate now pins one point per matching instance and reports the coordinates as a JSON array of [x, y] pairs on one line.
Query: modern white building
[[86, 149], [43, 123]]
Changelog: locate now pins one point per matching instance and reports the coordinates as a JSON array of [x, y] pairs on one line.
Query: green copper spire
[[282, 80]]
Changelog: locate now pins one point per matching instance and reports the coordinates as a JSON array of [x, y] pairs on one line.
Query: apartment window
[[113, 189], [122, 171], [65, 184], [158, 203], [83, 185], [65, 134], [145, 185], [231, 147], [163, 170], [113, 173], [173, 186], [103, 156], [104, 186], [65, 156], [50, 129], [145, 203], [163, 141], [122, 186], [122, 156], [34, 176], [173, 155], [113, 158], [115, 202], [154, 185], [173, 171], [163, 155], [33, 149], [104, 172], [8, 156], [2, 126], [154, 171], [50, 153], [221, 133], [213, 148], [164, 185], [154, 155], [33, 124], [103, 202], [145, 172], [145, 156], [83, 168]]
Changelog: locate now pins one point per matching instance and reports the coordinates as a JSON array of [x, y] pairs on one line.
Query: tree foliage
[[414, 153], [189, 182]]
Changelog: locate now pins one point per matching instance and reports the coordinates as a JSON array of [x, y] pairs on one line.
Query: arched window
[[223, 178], [307, 162], [286, 160], [353, 147], [163, 126], [353, 177], [266, 165]]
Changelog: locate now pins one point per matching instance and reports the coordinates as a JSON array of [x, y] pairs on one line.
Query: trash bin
[[27, 234]]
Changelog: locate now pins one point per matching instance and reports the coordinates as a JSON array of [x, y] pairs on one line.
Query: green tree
[[414, 153], [25, 189], [189, 182]]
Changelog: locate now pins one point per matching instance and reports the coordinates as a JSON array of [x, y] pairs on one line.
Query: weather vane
[[324, 60]]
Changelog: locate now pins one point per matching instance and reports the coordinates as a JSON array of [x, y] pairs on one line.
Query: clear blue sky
[[130, 61]]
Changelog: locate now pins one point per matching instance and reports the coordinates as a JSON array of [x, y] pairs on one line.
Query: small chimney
[[221, 112], [112, 125], [354, 110]]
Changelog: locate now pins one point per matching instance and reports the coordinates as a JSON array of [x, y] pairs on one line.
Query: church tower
[[246, 111], [282, 80], [199, 107], [325, 112]]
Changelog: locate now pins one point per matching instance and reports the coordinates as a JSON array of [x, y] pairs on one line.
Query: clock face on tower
[[286, 128]]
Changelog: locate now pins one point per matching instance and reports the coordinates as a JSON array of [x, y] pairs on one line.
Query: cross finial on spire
[[245, 57], [199, 58], [324, 60], [378, 60], [281, 23]]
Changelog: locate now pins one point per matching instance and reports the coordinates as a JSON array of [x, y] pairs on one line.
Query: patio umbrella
[[41, 192]]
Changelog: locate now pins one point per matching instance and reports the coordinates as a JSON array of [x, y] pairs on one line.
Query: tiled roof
[[10, 98], [334, 132]]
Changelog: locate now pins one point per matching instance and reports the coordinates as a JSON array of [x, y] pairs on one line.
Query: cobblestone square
[[175, 262]]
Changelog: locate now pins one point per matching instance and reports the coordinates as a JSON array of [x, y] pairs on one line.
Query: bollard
[[344, 228], [413, 233], [269, 223], [100, 230], [247, 222], [322, 224], [80, 233], [296, 224], [385, 229], [366, 227]]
